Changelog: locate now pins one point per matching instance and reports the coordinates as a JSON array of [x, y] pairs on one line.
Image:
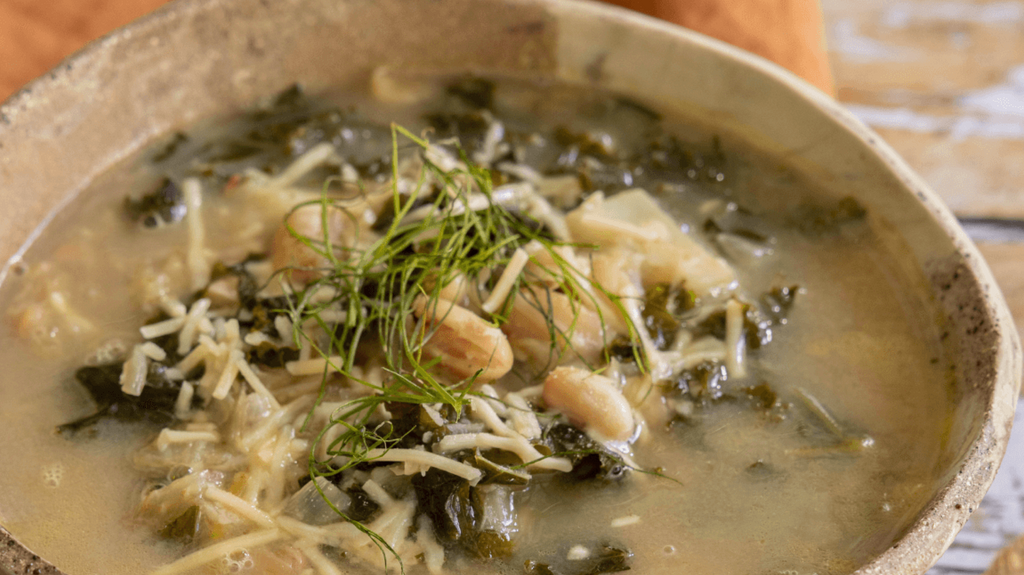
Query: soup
[[536, 330]]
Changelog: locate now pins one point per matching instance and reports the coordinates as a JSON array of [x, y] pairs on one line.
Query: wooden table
[[941, 80]]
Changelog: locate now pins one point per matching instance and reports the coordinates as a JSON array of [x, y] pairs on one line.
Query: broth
[[814, 462]]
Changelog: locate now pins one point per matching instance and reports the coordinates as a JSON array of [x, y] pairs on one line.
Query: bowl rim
[[919, 547]]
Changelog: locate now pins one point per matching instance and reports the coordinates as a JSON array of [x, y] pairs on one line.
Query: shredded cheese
[[508, 278], [162, 328], [625, 521], [427, 458], [195, 256], [183, 404], [433, 552], [169, 437], [734, 340], [134, 371], [226, 379], [522, 417], [528, 453], [190, 329], [481, 410], [254, 381], [154, 351], [314, 366], [216, 551], [238, 506]]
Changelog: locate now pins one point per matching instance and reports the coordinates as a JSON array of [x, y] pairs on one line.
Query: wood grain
[[1010, 560], [943, 82]]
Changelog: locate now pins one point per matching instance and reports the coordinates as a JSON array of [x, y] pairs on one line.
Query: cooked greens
[[164, 205]]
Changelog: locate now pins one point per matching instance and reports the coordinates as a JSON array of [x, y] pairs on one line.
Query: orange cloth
[[36, 34], [788, 32]]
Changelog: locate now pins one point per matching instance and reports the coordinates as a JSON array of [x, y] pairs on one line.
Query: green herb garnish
[[449, 225]]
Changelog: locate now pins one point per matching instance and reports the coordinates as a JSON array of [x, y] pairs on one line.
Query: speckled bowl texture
[[198, 58]]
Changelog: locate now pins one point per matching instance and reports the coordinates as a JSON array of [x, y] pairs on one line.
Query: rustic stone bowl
[[199, 58]]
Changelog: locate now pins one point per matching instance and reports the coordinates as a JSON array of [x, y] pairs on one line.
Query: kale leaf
[[155, 405]]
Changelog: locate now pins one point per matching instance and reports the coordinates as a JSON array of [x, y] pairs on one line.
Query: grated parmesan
[[625, 521], [162, 328], [735, 343], [314, 366], [169, 437], [183, 404], [133, 374], [421, 457], [195, 256], [508, 277]]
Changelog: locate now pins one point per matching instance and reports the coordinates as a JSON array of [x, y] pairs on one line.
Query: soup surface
[[541, 331]]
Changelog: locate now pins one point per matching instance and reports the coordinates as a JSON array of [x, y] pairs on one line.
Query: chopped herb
[[817, 220], [475, 92], [741, 223], [590, 460], [269, 355], [448, 501], [778, 301], [598, 145], [595, 174], [164, 205], [763, 395], [668, 157], [469, 127], [170, 148], [607, 559], [663, 304], [704, 382], [757, 329], [766, 401], [362, 508], [624, 349], [492, 545]]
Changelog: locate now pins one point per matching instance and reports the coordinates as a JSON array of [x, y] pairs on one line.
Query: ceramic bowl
[[199, 58]]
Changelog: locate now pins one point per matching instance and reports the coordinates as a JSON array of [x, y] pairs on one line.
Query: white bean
[[307, 262], [463, 342], [591, 401]]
